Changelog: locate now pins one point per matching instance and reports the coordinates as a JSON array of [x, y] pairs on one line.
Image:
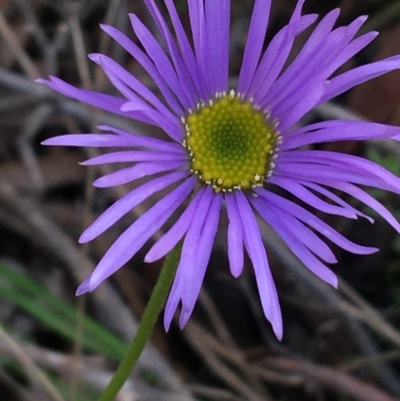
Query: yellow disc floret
[[231, 143]]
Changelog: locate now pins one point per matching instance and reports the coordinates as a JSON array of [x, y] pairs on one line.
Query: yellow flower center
[[231, 143]]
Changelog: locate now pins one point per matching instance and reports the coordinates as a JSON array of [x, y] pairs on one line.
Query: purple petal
[[314, 222], [290, 117], [368, 200], [235, 236], [272, 216], [297, 231], [184, 77], [339, 130], [160, 60], [168, 241], [309, 198], [135, 172], [356, 76], [147, 64], [133, 156], [195, 276], [276, 55], [126, 83], [321, 174], [335, 198], [296, 72], [254, 44], [125, 247], [217, 14], [84, 287], [105, 102], [120, 138], [145, 141], [188, 263], [89, 140], [356, 167], [258, 256], [186, 51], [125, 204], [172, 303], [339, 160], [323, 60], [155, 118]]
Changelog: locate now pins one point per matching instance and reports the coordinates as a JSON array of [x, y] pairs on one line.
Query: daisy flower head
[[228, 149]]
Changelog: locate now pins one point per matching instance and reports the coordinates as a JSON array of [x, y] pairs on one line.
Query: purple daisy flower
[[227, 148]]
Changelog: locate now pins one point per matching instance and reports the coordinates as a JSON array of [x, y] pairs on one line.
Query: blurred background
[[338, 345]]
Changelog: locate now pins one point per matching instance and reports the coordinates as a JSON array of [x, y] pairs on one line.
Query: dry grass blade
[[330, 378], [15, 46], [211, 351], [370, 315], [36, 376]]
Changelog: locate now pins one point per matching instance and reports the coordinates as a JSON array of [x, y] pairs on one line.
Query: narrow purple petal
[[84, 287], [321, 174], [198, 26], [298, 190], [186, 51], [160, 60], [114, 70], [296, 71], [340, 130], [188, 263], [272, 216], [105, 102], [276, 55], [235, 236], [172, 303], [255, 249], [125, 247], [194, 280], [340, 160], [254, 44], [155, 118], [134, 156], [305, 103], [326, 57], [168, 241], [335, 198], [314, 222], [125, 204], [135, 172], [356, 76], [368, 200], [217, 14], [147, 64], [358, 167], [308, 238], [89, 140], [144, 141], [353, 48], [184, 77]]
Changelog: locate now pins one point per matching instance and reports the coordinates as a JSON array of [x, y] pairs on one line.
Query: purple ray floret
[[201, 163]]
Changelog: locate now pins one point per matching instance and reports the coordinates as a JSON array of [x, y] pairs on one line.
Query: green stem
[[149, 319]]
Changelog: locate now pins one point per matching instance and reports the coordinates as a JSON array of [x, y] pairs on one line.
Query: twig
[[73, 12], [332, 379], [34, 373], [206, 346], [15, 47], [31, 126], [362, 362], [368, 314]]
